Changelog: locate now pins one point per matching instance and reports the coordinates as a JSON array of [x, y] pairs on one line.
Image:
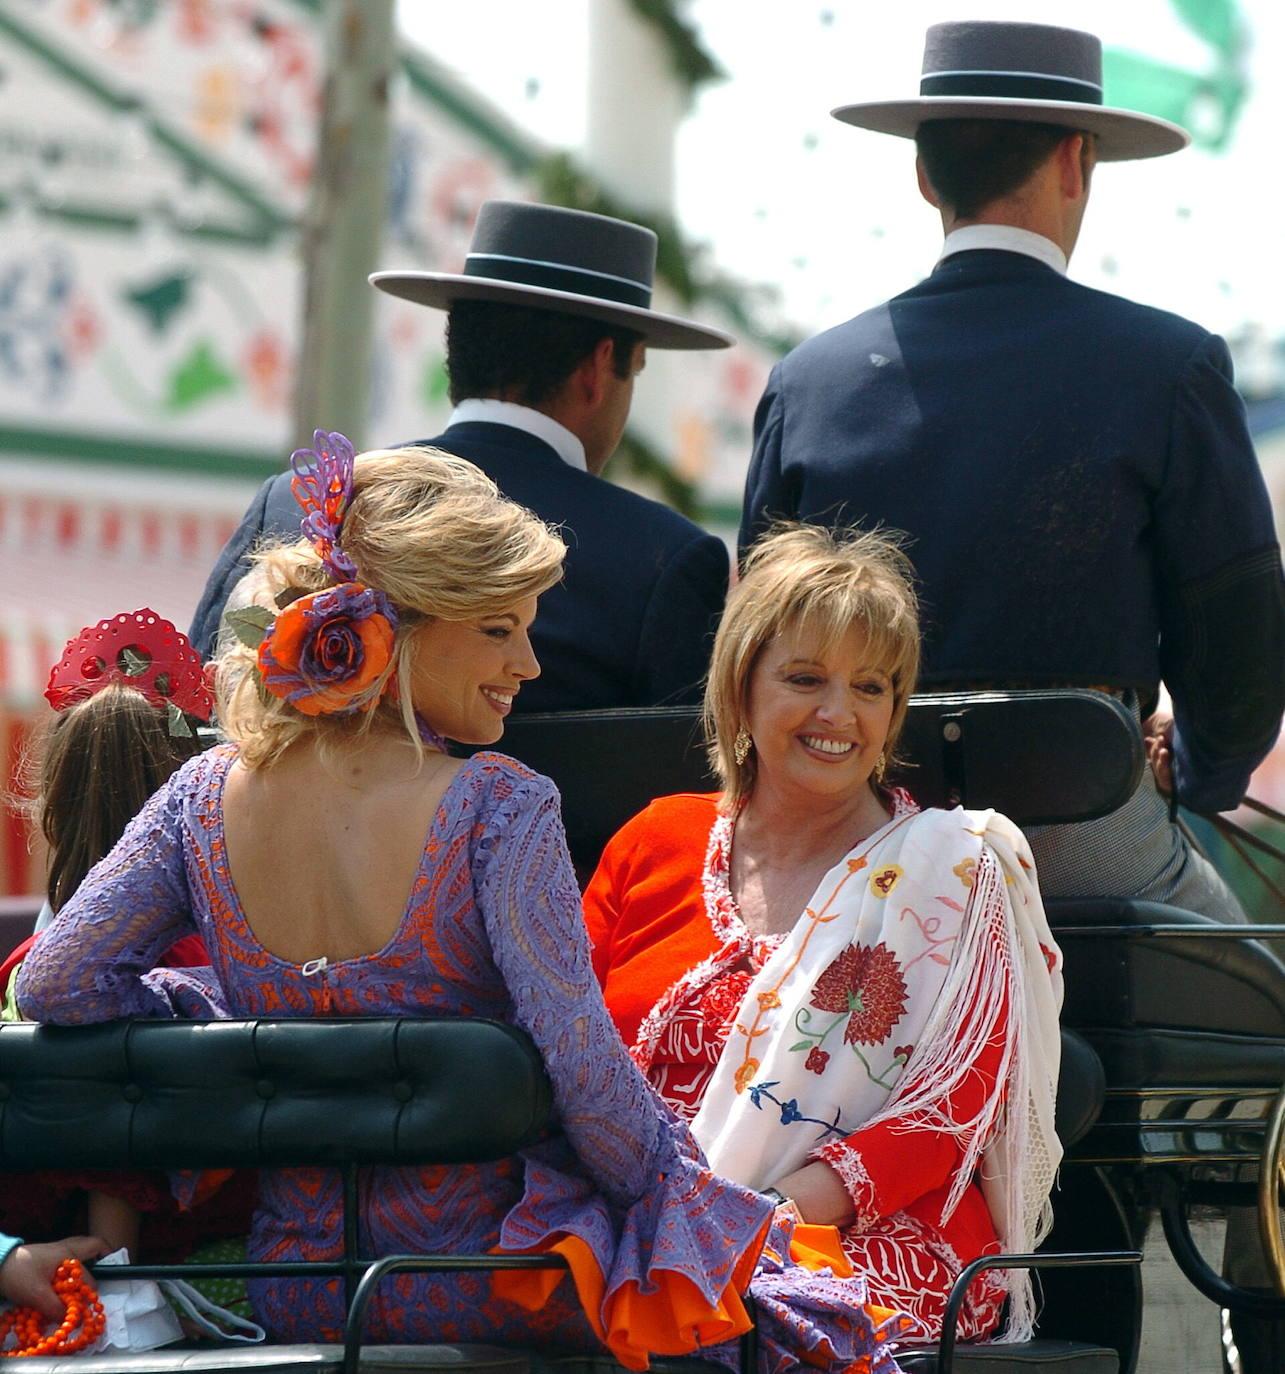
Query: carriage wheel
[[1271, 1177]]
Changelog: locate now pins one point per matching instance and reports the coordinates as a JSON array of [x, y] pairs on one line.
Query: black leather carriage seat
[[1201, 1020], [210, 1094], [1037, 756], [248, 1094], [1217, 986], [1050, 1357]]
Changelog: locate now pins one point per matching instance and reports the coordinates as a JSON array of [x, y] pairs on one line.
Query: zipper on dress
[[316, 968]]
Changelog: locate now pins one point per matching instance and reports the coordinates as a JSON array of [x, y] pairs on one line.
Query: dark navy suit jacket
[[1078, 482], [631, 623]]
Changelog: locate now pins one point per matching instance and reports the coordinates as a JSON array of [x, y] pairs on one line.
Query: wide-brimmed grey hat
[[569, 261], [1034, 73]]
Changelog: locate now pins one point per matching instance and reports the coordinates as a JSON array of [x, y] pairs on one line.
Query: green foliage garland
[[693, 65], [681, 265]]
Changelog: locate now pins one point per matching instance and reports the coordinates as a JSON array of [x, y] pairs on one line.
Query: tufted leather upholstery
[[245, 1093]]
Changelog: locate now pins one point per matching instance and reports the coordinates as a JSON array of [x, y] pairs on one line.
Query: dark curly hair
[[523, 354], [972, 162]]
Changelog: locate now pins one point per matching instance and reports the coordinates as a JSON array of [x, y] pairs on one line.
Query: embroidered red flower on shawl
[[866, 981], [817, 1059]]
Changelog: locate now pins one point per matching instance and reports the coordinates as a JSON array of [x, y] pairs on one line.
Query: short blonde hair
[[434, 534], [817, 581]]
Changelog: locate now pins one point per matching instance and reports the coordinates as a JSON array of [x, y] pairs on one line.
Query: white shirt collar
[[1008, 238], [559, 438]]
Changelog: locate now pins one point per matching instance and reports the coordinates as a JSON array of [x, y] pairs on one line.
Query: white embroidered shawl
[[915, 943]]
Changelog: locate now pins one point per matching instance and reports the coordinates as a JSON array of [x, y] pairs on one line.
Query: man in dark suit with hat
[[547, 328], [1074, 470]]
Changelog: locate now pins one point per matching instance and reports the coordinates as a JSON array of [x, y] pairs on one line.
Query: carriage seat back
[[1040, 757], [228, 1094], [1127, 980]]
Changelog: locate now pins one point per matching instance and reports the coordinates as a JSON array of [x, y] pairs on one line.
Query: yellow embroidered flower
[[856, 865], [745, 1073], [768, 1000], [966, 871], [885, 878]]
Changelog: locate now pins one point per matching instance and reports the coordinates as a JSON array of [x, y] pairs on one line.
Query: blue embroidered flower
[[760, 1090], [790, 1112]]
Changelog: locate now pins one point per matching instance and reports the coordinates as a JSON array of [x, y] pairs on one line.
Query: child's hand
[[27, 1275]]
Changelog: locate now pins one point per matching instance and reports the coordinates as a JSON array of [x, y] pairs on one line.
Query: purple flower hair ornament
[[322, 485]]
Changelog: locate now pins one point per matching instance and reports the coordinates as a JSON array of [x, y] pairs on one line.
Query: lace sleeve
[[89, 965], [531, 906]]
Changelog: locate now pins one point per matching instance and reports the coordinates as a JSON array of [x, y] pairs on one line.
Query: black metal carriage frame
[[1041, 757]]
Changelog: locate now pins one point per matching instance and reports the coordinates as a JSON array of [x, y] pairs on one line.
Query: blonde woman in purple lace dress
[[401, 618]]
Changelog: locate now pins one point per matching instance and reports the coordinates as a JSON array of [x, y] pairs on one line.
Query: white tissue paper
[[137, 1315]]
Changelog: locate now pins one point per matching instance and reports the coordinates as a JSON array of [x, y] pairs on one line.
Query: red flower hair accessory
[[326, 653], [141, 650]]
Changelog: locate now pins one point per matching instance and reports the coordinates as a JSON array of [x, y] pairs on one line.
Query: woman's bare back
[[324, 853]]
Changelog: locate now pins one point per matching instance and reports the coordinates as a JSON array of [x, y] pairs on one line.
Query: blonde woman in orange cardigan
[[852, 1000]]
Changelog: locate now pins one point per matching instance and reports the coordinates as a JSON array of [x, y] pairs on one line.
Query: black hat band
[[556, 276], [1011, 86]]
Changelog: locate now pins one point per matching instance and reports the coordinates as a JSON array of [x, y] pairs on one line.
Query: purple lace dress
[[492, 928]]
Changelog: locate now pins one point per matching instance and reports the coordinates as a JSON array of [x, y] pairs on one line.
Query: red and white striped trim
[[32, 523]]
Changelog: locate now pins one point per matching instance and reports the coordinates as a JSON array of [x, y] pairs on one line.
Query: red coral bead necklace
[[80, 1327]]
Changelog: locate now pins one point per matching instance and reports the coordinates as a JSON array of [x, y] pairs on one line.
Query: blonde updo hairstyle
[[818, 582], [434, 534]]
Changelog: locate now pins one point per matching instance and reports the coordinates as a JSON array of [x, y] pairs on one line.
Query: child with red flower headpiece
[[129, 693]]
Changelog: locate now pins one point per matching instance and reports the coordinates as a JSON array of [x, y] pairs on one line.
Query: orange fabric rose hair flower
[[327, 653]]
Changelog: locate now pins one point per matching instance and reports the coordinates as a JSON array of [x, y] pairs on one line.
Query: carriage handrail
[[1249, 930], [423, 1264], [1052, 1260]]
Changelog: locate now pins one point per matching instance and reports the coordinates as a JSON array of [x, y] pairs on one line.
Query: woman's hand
[[816, 1191], [27, 1275]]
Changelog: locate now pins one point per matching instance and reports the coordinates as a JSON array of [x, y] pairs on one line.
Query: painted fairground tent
[[155, 162]]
